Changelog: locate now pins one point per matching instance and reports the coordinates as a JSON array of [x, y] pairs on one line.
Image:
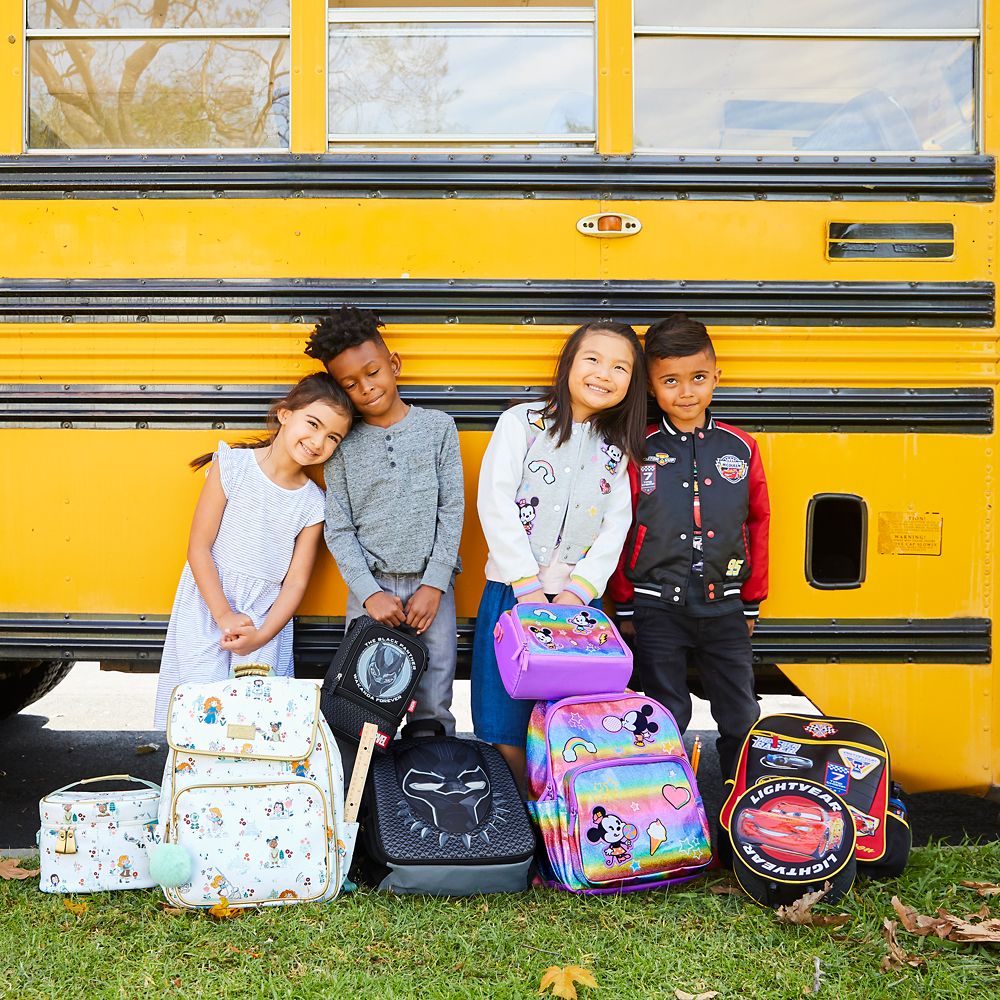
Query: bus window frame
[[471, 144], [975, 35], [103, 34]]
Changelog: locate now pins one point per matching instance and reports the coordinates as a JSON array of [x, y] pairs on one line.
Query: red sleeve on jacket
[[619, 586], [758, 527]]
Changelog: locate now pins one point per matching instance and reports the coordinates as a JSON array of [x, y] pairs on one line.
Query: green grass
[[639, 947]]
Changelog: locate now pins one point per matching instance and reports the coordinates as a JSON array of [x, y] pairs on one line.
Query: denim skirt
[[496, 717]]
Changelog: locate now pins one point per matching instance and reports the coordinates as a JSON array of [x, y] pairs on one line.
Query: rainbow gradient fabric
[[613, 795]]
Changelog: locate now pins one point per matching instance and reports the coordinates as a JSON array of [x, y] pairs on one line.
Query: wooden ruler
[[352, 804]]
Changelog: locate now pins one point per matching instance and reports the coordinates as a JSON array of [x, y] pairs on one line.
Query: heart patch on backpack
[[676, 795]]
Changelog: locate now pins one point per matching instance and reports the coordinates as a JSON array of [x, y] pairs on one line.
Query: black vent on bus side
[[836, 540]]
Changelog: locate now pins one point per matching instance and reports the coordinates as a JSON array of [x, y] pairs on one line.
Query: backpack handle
[[108, 777]]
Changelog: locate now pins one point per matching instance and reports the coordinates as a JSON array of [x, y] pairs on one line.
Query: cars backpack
[[613, 795], [443, 816], [847, 758], [252, 795]]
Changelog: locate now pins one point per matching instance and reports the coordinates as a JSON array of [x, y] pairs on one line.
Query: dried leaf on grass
[[11, 868], [983, 888], [681, 995], [800, 912], [976, 927], [561, 980], [897, 957], [222, 910], [725, 889], [79, 909], [172, 911]]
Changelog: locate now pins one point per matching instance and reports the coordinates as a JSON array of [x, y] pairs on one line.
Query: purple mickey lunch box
[[547, 651]]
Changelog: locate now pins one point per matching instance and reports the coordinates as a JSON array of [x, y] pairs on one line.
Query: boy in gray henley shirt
[[395, 500]]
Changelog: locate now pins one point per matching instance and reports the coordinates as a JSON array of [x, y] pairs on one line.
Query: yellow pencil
[[696, 754]]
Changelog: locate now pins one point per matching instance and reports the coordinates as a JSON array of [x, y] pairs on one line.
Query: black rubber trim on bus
[[775, 641], [488, 175], [409, 300], [942, 410]]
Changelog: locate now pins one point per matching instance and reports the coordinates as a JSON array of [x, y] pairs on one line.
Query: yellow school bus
[[185, 187]]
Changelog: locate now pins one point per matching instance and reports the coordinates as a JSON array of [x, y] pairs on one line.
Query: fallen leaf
[[983, 888], [725, 889], [560, 980], [172, 911], [11, 868], [242, 951], [681, 995], [800, 912], [897, 958], [144, 748], [987, 931], [977, 927], [222, 910], [918, 924], [176, 982], [79, 909]]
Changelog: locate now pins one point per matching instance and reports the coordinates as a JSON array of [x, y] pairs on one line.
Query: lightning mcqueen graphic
[[792, 826]]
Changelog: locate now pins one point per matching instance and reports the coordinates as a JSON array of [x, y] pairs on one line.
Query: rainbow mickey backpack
[[613, 795]]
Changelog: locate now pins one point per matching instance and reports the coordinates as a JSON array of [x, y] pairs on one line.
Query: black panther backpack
[[372, 679], [443, 816]]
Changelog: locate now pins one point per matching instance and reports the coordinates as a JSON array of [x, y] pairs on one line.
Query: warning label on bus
[[904, 533]]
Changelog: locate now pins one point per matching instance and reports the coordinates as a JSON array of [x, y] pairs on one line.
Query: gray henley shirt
[[395, 499]]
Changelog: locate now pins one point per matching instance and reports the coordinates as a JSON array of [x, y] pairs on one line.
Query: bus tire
[[25, 681]]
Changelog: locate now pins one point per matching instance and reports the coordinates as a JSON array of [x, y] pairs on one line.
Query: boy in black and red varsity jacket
[[694, 568]]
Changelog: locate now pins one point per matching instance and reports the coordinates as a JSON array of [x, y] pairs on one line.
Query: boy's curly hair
[[340, 329]]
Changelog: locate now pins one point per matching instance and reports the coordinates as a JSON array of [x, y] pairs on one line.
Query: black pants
[[720, 650]]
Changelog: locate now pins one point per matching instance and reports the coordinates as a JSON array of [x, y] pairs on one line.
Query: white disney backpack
[[252, 807]]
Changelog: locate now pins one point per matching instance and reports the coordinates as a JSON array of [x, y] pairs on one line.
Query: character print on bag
[[211, 712], [384, 669], [616, 833], [448, 795], [583, 622], [526, 511], [446, 790], [543, 635], [635, 722]]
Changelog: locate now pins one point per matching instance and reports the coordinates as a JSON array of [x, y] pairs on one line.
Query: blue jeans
[[433, 693], [496, 717]]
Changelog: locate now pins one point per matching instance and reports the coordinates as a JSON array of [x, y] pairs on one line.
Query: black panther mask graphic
[[384, 669], [446, 786]]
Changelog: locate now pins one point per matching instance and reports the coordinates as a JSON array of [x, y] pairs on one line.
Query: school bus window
[[169, 74], [836, 541], [812, 77], [437, 75]]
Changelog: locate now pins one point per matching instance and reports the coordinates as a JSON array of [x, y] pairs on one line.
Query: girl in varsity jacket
[[554, 504]]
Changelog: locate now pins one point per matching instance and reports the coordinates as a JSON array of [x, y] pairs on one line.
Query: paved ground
[[95, 723]]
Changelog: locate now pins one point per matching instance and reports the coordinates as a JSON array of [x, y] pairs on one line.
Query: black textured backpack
[[372, 679], [442, 815]]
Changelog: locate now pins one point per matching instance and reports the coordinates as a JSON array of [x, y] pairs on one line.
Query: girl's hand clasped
[[243, 641]]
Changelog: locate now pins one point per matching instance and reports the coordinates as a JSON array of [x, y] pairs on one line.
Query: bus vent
[[891, 241], [836, 540]]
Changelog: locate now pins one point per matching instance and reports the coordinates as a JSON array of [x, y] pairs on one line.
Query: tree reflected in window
[[185, 74]]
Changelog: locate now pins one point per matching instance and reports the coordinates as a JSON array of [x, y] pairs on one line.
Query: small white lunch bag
[[97, 841]]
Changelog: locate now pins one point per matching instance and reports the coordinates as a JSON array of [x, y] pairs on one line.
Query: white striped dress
[[252, 552]]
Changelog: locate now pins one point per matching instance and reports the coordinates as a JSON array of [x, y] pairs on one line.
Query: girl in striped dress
[[256, 529]]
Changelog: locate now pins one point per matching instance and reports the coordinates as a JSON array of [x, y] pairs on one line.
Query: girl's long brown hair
[[623, 425], [320, 387]]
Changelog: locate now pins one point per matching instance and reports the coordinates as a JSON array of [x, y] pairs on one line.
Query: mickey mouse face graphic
[[526, 510], [583, 622], [635, 722], [543, 635]]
